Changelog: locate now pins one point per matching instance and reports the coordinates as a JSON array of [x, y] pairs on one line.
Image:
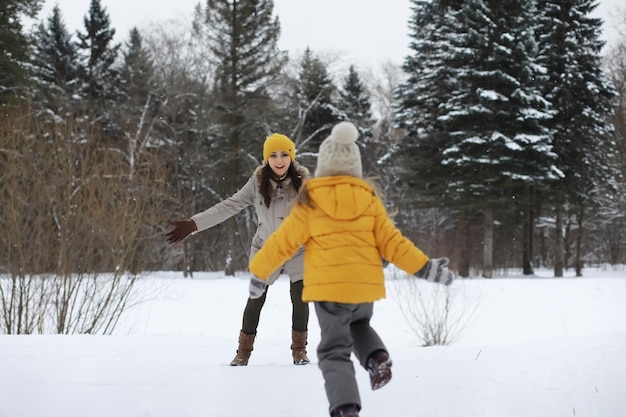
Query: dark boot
[[350, 410], [298, 348], [379, 368], [246, 343]]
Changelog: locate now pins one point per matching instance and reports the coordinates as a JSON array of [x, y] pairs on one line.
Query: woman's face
[[279, 162]]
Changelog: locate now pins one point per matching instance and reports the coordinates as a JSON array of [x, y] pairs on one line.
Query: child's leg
[[333, 354], [369, 348], [366, 340]]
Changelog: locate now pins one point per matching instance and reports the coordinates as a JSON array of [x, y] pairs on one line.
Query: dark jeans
[[299, 310]]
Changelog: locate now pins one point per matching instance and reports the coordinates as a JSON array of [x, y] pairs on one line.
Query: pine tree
[[415, 162], [612, 230], [382, 86], [485, 143], [428, 84], [55, 66], [242, 36], [317, 104], [354, 100], [141, 100], [355, 105], [581, 96], [14, 46], [100, 79], [138, 69]]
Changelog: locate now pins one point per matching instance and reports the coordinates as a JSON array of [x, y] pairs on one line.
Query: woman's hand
[[182, 229]]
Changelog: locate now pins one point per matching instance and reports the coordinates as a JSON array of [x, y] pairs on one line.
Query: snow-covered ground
[[534, 347]]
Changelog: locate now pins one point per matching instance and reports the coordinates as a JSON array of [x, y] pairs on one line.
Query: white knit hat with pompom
[[339, 154]]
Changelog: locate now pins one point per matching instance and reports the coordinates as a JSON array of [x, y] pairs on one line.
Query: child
[[271, 189], [345, 228]]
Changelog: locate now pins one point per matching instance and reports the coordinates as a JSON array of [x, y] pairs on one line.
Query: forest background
[[500, 141]]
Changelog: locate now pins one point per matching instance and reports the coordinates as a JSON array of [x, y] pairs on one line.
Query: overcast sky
[[366, 32]]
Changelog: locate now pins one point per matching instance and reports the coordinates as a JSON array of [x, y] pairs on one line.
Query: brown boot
[[379, 367], [246, 343], [298, 348]]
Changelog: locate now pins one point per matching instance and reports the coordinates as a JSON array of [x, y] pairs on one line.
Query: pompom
[[339, 154], [344, 132]]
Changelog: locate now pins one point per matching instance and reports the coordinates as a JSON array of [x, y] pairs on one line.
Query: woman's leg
[[299, 324], [247, 334], [252, 314], [299, 309]]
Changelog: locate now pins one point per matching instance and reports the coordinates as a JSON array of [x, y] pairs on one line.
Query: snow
[[539, 346]]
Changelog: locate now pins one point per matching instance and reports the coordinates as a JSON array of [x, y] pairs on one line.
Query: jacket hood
[[342, 197]]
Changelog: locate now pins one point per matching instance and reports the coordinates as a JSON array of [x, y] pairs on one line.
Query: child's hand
[[436, 270], [257, 287]]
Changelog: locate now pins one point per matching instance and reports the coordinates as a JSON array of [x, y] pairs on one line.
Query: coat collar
[[301, 170]]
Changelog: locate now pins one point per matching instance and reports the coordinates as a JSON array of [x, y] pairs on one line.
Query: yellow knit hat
[[277, 142]]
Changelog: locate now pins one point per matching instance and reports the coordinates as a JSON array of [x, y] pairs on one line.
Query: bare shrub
[[76, 227], [436, 314]]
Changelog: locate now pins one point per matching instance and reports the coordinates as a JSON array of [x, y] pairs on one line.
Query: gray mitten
[[257, 287], [436, 270]]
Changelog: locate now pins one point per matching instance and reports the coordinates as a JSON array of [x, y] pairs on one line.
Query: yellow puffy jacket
[[346, 232]]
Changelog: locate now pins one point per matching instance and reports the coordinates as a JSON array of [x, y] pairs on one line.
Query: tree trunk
[[527, 245], [543, 249], [558, 242], [231, 224], [579, 243], [567, 238], [185, 266], [527, 236], [488, 244], [464, 264]]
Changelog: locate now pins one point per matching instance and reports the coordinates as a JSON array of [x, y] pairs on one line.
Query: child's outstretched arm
[[398, 249], [278, 248], [436, 270]]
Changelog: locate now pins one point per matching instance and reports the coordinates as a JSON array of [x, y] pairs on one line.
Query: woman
[[271, 189]]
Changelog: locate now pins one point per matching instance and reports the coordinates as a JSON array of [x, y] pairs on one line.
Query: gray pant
[[345, 329]]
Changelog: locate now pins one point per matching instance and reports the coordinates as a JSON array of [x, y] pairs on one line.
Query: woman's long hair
[[266, 189]]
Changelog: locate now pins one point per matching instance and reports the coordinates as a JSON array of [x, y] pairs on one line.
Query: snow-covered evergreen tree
[[100, 78], [354, 101], [14, 46], [317, 103], [141, 101], [581, 95], [416, 159], [355, 105], [429, 83], [138, 69], [480, 139], [242, 37], [55, 66]]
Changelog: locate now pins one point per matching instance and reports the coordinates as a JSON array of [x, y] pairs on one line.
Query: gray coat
[[268, 218]]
